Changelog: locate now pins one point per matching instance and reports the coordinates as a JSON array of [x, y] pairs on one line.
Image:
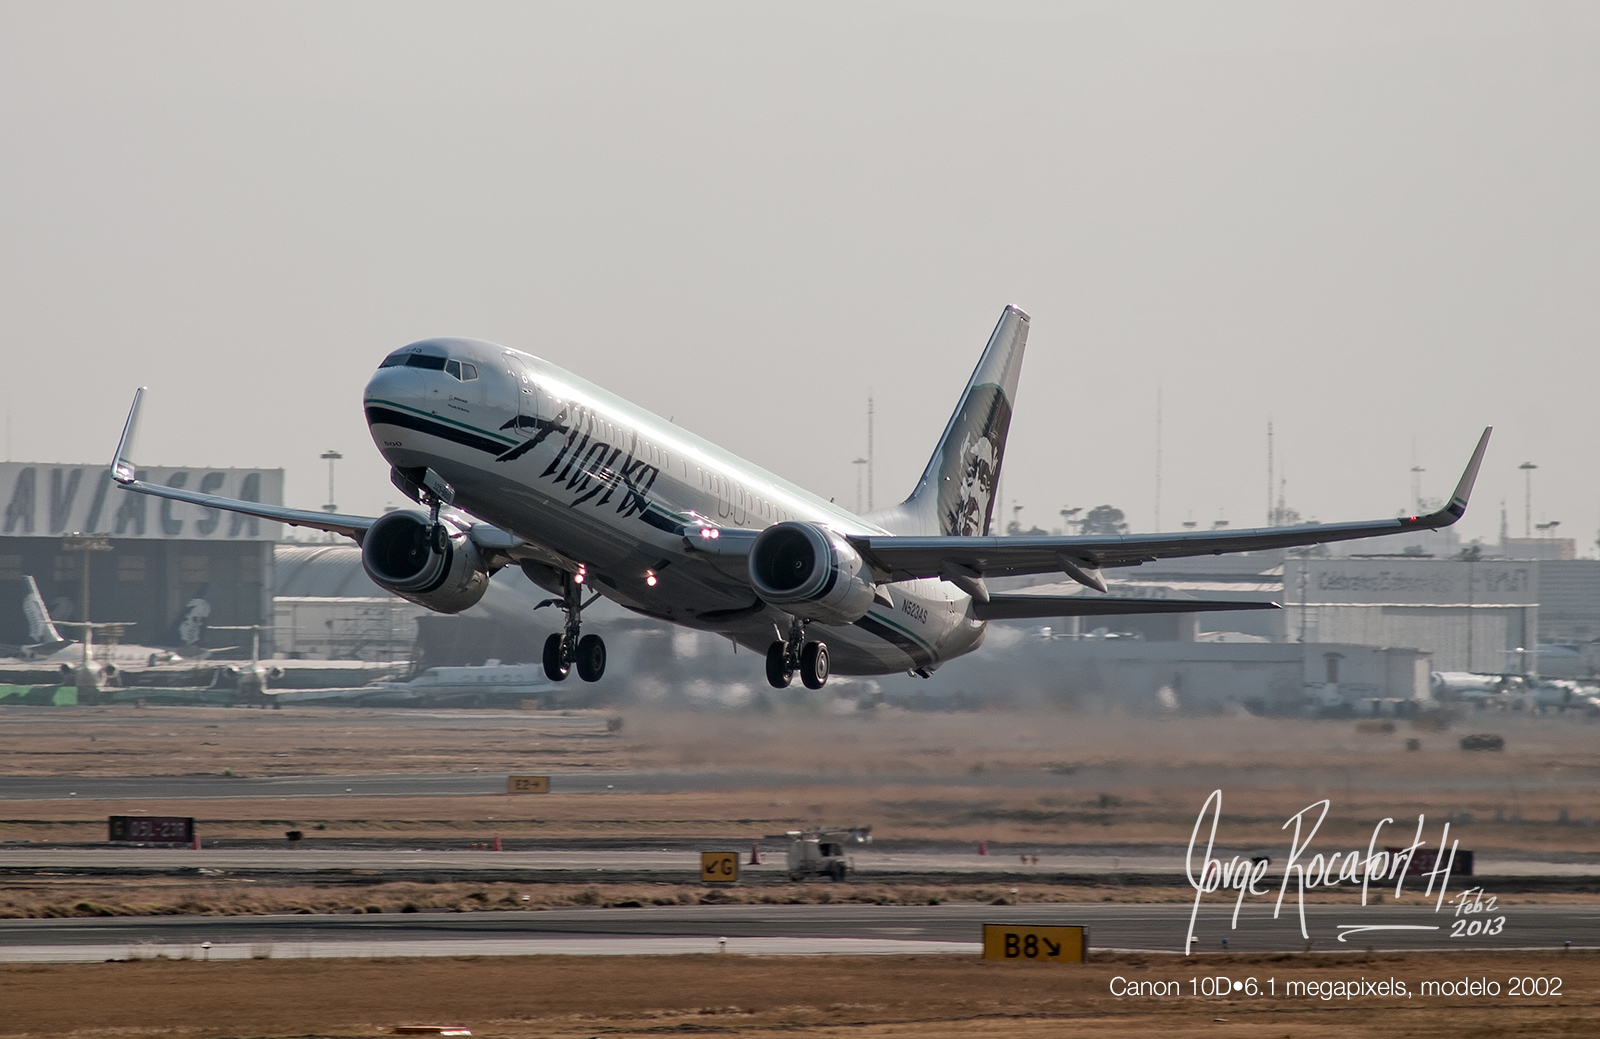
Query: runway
[[778, 930], [655, 781], [674, 861]]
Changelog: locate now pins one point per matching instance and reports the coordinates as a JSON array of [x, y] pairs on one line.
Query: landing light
[[710, 533], [650, 578], [581, 576]]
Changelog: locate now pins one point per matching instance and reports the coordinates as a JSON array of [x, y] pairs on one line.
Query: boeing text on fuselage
[[514, 461]]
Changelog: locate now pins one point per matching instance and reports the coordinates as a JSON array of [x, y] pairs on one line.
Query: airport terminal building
[[150, 558]]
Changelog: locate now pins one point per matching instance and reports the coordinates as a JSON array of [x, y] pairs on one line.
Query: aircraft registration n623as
[[519, 462]]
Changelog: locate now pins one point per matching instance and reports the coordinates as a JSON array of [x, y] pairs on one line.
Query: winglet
[[122, 468], [1458, 501]]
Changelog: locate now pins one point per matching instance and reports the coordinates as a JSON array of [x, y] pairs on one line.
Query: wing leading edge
[[964, 559], [125, 474]]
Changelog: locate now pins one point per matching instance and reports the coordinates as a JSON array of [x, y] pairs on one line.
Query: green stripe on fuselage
[[444, 420]]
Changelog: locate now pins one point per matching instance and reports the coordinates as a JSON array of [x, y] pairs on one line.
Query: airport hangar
[[159, 555]]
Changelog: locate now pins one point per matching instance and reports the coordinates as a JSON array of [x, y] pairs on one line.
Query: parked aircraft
[[47, 645], [519, 462], [251, 678]]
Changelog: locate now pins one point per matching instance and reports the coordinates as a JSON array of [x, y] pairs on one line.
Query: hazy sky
[[1374, 224]]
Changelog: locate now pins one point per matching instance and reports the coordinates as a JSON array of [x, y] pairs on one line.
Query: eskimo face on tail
[[192, 625], [968, 475]]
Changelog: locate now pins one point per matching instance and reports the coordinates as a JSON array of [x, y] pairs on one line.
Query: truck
[[821, 853]]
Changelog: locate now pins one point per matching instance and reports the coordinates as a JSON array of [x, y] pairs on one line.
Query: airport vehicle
[[821, 853], [1465, 686], [519, 462]]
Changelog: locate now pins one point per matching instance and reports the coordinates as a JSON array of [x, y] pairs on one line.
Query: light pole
[[1527, 498], [330, 457], [1416, 488], [858, 463], [869, 450]]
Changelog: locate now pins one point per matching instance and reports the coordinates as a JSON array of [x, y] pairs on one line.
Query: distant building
[[327, 608], [162, 553], [1569, 600], [1470, 615], [1186, 677], [1539, 548]]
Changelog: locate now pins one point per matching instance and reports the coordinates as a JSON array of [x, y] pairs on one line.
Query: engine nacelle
[[398, 555], [807, 570]]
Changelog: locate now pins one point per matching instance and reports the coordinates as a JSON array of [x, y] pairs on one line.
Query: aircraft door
[[526, 422]]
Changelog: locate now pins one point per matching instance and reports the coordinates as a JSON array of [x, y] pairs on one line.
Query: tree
[[1105, 519]]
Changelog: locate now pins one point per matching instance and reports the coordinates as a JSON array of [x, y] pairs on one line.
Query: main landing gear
[[796, 654], [566, 648]]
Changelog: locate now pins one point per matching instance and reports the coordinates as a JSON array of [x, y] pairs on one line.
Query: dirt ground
[[34, 897], [1024, 782], [1067, 778], [863, 998]]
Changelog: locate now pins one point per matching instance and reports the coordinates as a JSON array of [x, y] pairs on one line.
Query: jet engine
[[805, 569], [399, 555]]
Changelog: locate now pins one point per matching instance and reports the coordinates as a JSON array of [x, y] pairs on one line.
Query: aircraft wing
[[489, 538], [350, 526], [1022, 605], [123, 472], [964, 560]]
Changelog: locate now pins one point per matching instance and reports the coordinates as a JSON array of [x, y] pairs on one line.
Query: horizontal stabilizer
[[1017, 607]]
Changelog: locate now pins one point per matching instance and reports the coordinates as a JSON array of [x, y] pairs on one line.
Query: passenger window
[[468, 371], [453, 368]]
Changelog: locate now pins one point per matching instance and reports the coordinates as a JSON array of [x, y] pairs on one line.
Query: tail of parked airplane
[[956, 495], [190, 625], [42, 631]]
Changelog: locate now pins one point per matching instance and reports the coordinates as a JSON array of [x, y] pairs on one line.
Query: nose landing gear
[[567, 647], [796, 654]]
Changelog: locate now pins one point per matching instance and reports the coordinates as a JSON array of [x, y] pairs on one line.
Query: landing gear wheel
[[778, 673], [555, 668], [591, 658], [814, 665]]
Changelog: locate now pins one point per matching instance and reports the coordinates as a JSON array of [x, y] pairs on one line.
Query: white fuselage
[[589, 480]]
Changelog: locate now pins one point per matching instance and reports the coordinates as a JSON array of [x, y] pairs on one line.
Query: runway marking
[[632, 946]]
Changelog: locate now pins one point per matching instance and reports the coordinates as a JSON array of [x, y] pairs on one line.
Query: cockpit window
[[410, 357]]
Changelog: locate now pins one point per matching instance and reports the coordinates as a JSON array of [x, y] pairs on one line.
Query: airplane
[[46, 644], [251, 678], [519, 462]]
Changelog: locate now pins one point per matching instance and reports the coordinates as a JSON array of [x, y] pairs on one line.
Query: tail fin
[[956, 495], [41, 629], [190, 625]]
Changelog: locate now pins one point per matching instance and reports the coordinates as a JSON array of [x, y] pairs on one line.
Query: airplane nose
[[386, 384]]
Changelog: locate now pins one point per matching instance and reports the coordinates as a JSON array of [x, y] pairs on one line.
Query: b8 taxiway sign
[[1035, 944]]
